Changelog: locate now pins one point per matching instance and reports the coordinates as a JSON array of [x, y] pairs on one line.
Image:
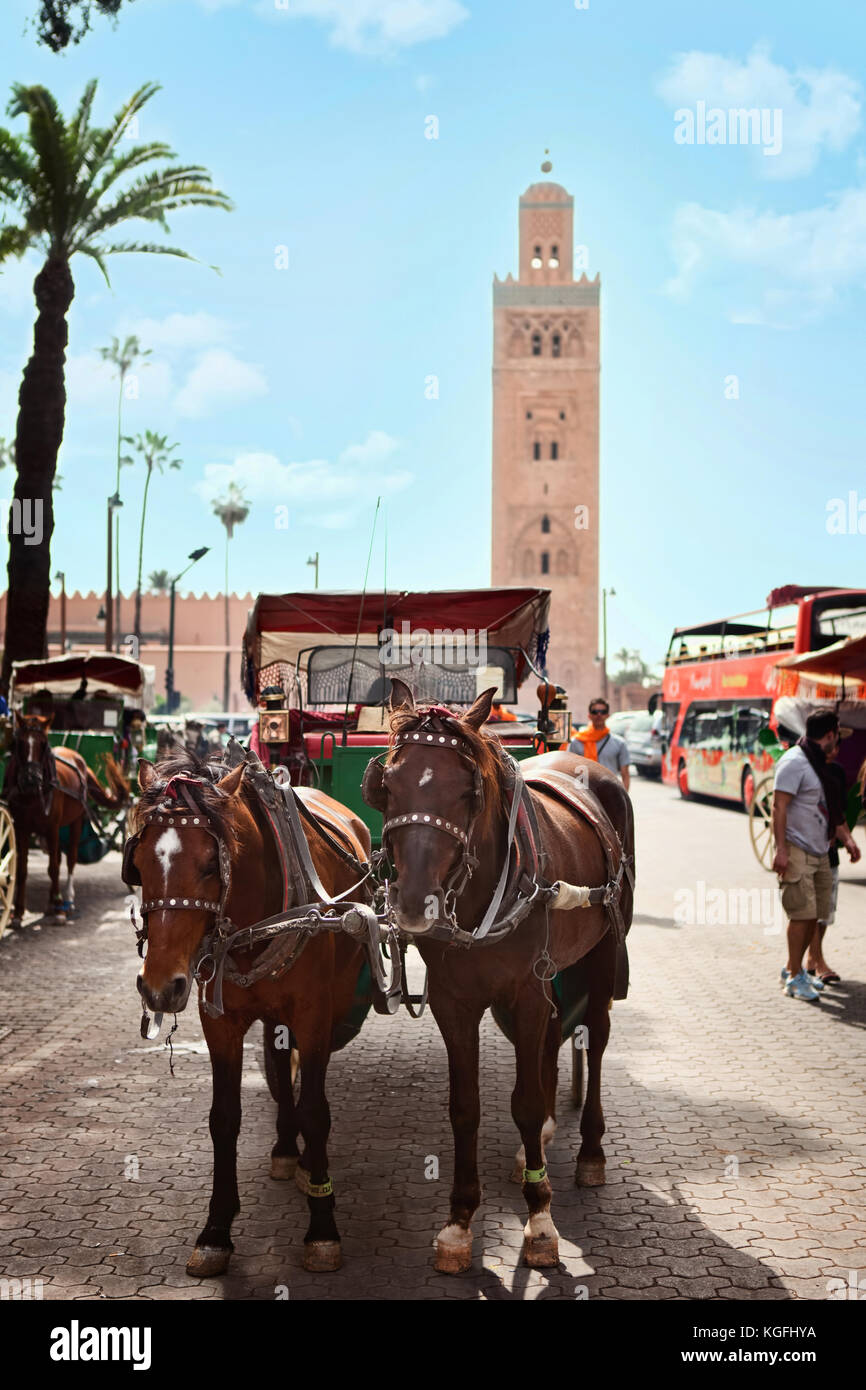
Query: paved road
[[735, 1139]]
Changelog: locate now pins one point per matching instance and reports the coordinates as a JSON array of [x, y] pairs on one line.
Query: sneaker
[[814, 980], [799, 987]]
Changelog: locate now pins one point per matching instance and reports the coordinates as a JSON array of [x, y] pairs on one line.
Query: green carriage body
[[97, 702]]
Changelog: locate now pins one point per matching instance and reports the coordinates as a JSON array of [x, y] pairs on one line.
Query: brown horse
[[48, 788], [221, 859], [443, 793]]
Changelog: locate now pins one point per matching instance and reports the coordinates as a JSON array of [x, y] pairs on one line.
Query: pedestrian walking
[[808, 817], [597, 743]]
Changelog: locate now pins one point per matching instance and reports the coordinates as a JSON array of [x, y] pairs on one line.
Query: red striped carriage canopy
[[280, 626]]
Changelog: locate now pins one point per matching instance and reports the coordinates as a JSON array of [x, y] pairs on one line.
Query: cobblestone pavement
[[734, 1141]]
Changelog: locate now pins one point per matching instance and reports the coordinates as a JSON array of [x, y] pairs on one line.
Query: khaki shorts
[[807, 886]]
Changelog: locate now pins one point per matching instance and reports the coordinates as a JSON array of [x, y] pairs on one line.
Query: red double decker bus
[[720, 683]]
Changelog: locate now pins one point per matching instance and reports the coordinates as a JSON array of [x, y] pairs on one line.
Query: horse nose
[[168, 1000]]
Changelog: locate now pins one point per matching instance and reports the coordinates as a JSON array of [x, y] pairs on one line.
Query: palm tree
[[123, 356], [623, 656], [7, 453], [61, 184], [159, 581], [231, 510], [155, 452]]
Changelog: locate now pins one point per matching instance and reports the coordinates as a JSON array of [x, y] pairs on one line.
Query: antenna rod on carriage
[[358, 628]]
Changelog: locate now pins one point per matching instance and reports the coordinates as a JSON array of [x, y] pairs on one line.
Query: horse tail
[[119, 794]]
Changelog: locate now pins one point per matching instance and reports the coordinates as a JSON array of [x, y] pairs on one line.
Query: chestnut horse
[[231, 869], [452, 777], [48, 788]]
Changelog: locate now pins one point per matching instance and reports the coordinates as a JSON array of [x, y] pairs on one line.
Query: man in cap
[[808, 816]]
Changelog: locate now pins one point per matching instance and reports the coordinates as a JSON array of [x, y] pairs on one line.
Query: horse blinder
[[129, 870], [373, 785]]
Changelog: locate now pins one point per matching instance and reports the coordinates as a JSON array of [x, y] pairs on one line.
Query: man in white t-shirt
[[808, 815]]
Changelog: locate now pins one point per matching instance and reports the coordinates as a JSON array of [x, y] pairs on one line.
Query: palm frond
[[98, 256]]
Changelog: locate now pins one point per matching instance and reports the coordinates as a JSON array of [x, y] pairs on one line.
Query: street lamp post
[[61, 575], [113, 503], [170, 693], [314, 561], [604, 597]]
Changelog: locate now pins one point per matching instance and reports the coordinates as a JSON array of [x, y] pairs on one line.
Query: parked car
[[619, 722], [644, 739]]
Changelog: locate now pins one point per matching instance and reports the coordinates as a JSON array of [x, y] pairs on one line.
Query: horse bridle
[[174, 818], [429, 737]]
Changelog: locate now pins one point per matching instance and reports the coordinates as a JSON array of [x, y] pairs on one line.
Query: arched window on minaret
[[556, 345], [536, 258], [545, 562], [536, 344], [545, 525], [536, 449], [554, 449]]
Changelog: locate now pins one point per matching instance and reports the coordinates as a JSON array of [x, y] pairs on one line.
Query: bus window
[[836, 621]]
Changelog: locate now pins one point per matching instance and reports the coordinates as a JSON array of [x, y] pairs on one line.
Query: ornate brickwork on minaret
[[545, 435]]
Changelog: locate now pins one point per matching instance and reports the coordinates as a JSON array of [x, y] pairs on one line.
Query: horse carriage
[[76, 731], [836, 676], [358, 823], [318, 667]]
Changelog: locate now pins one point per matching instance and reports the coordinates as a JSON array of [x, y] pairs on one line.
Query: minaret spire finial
[[546, 164]]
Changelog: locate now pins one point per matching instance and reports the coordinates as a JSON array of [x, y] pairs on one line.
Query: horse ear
[[401, 696], [146, 774], [230, 784], [480, 711]]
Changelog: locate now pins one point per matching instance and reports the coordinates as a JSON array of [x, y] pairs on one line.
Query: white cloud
[[219, 378], [91, 384], [376, 26], [178, 332], [820, 108], [16, 285], [376, 448], [789, 266], [332, 492]]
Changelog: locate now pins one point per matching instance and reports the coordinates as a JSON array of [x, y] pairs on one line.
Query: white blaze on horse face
[[165, 849], [31, 741], [426, 776]]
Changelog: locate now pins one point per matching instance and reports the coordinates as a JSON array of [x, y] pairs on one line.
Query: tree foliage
[[62, 22]]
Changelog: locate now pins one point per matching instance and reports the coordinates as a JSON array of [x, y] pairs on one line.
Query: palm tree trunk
[[227, 667], [141, 554], [117, 631], [38, 436]]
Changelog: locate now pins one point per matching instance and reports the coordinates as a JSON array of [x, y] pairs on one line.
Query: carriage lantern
[[274, 718]]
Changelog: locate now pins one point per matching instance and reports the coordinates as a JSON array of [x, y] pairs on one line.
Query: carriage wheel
[[8, 865], [761, 823], [578, 1075]]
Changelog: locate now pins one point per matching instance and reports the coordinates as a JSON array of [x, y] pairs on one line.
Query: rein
[[213, 961], [518, 890]]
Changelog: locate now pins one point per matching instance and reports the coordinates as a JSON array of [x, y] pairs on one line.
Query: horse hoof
[[208, 1260], [453, 1251], [541, 1252], [589, 1172], [302, 1180], [283, 1166], [322, 1256]]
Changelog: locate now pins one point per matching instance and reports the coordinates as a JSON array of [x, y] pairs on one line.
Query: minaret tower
[[545, 435]]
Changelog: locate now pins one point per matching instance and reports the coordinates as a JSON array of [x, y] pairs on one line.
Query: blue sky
[[307, 383]]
